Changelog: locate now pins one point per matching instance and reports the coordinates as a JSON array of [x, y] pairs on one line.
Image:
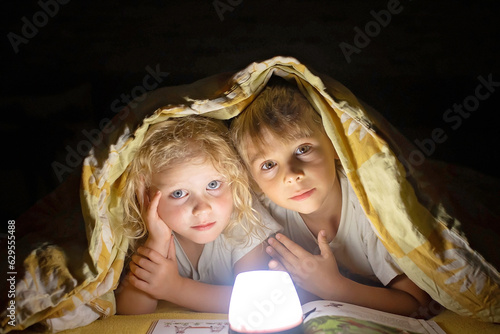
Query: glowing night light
[[264, 301]]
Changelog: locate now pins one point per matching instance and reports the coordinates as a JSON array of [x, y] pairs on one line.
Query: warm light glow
[[264, 302]]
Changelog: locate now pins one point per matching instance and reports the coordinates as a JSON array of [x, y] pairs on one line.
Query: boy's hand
[[154, 274], [317, 274], [159, 232]]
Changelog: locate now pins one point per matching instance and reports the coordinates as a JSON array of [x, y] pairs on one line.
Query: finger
[[139, 272], [272, 253], [291, 246], [276, 265], [142, 262], [150, 254], [136, 258], [324, 247], [287, 263], [139, 283], [281, 250]]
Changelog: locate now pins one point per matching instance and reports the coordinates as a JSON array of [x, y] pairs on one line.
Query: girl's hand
[[317, 274], [154, 274], [159, 233]]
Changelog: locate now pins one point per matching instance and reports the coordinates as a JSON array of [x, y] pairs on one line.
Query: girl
[[188, 197]]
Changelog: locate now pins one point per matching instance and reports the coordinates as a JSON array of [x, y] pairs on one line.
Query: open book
[[320, 316]]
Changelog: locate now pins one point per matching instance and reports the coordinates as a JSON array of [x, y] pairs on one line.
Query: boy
[[281, 139]]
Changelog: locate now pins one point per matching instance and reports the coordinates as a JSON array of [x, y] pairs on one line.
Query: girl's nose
[[201, 207]]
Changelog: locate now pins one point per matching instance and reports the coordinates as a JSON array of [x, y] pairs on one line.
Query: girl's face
[[196, 200]]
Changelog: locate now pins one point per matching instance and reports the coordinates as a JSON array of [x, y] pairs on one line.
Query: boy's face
[[299, 174]]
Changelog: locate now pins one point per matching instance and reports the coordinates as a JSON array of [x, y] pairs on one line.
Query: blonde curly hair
[[178, 141]]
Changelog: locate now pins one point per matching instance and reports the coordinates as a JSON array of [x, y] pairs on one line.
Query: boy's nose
[[294, 178], [293, 174]]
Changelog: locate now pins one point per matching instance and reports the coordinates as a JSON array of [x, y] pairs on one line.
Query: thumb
[[324, 247]]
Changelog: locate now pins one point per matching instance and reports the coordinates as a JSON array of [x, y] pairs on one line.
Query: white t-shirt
[[217, 260], [361, 256]]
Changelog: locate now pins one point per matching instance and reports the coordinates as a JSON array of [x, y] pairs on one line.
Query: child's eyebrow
[[254, 158], [258, 156]]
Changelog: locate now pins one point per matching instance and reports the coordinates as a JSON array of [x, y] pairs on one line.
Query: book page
[[336, 317], [319, 316], [189, 326]]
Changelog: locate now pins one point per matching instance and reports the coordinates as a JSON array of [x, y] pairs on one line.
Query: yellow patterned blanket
[[436, 220]]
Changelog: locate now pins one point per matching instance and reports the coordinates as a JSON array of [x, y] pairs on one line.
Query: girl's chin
[[202, 240]]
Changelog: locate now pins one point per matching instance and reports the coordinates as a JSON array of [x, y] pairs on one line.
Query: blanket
[[436, 220]]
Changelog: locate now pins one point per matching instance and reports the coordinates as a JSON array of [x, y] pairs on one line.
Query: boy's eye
[[302, 149], [268, 165], [214, 185], [179, 193]]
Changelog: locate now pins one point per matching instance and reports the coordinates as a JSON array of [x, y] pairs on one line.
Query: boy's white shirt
[[217, 260], [360, 255]]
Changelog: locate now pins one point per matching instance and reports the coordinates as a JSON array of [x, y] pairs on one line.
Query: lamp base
[[295, 330]]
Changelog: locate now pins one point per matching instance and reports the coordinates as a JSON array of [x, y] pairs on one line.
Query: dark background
[[65, 78]]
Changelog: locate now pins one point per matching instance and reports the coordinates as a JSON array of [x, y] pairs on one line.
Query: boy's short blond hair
[[180, 141], [281, 110]]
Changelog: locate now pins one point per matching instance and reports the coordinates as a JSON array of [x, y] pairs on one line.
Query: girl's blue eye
[[179, 193], [302, 149], [268, 165], [212, 185]]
